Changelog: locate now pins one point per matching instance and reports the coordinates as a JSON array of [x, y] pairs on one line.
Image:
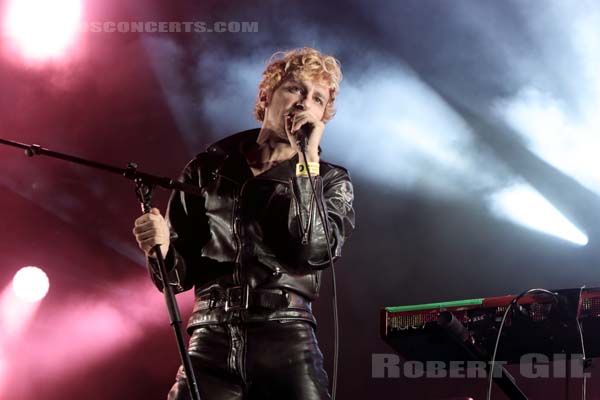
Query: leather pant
[[259, 360]]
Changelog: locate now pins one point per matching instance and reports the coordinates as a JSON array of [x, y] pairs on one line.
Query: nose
[[300, 106]]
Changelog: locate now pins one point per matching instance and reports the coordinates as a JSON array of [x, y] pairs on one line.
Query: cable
[[511, 304], [333, 282], [579, 329]]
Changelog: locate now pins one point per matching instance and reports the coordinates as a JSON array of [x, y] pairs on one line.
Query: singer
[[253, 246]]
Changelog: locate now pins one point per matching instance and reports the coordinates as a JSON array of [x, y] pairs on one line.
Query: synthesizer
[[540, 323]]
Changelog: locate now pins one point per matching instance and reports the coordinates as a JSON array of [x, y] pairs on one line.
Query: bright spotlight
[[43, 29], [30, 284], [523, 205]]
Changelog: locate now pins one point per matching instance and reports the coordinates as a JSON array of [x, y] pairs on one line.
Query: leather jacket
[[259, 232]]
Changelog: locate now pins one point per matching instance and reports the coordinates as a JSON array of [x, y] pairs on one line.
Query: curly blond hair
[[302, 63]]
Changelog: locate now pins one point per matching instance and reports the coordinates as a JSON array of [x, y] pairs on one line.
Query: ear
[[263, 97]]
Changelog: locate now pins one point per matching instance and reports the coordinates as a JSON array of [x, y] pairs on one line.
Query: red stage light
[[30, 284], [2, 371], [43, 29]]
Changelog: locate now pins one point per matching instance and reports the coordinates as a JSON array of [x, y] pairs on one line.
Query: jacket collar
[[234, 165]]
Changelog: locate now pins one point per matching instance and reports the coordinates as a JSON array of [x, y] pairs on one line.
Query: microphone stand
[[145, 184]]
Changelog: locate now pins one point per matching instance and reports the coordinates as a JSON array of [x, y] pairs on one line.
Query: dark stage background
[[447, 109]]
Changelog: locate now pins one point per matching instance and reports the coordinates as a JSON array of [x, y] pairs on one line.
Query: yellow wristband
[[313, 167]]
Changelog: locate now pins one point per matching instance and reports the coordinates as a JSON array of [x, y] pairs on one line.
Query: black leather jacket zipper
[[237, 274]]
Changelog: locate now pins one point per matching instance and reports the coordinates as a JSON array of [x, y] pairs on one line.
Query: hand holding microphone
[[304, 132], [304, 135]]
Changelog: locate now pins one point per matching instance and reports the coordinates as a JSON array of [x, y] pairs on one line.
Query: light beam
[[522, 204]]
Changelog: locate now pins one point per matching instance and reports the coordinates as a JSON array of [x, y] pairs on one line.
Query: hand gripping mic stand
[[145, 184]]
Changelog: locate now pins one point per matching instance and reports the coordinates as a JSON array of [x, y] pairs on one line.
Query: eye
[[295, 89], [319, 100]]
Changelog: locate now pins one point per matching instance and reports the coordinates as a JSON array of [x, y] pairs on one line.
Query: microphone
[[448, 322], [304, 134], [461, 335]]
